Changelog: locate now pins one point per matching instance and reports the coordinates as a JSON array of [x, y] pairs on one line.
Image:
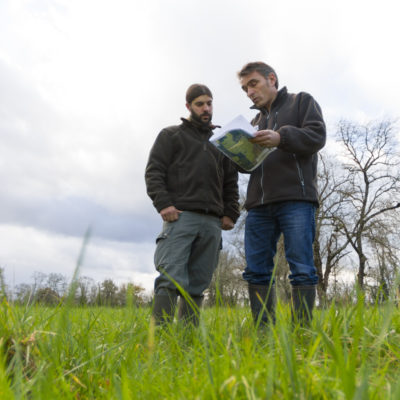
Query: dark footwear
[[262, 303], [303, 299], [189, 309], [164, 306]]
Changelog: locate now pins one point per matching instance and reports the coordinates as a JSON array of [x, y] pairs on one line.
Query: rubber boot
[[262, 303], [189, 312], [303, 298], [164, 306]]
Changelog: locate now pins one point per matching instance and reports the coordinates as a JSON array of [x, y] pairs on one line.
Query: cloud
[[28, 250], [72, 216], [56, 179]]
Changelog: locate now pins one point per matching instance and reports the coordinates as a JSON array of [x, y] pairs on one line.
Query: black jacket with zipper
[[289, 172], [185, 170]]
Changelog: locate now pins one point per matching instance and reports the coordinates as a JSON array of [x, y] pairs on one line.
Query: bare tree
[[83, 293], [329, 244], [24, 293], [57, 283], [39, 279], [372, 182], [227, 284], [130, 294], [108, 292], [385, 254], [281, 271], [233, 261], [227, 281]]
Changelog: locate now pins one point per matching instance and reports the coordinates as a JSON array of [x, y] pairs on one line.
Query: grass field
[[103, 353]]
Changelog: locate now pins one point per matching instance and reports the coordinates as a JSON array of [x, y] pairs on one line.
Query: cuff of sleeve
[[161, 205], [233, 216], [283, 139]]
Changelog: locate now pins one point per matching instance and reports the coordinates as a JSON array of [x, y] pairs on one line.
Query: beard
[[198, 118]]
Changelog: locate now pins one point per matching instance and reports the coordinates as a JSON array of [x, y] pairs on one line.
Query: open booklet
[[233, 140]]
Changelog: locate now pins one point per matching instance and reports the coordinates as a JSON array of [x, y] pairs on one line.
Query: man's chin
[[203, 120]]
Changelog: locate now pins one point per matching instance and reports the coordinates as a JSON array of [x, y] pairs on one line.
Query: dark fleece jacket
[[185, 170], [290, 171]]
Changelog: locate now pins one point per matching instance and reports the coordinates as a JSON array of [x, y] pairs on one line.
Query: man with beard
[[194, 188]]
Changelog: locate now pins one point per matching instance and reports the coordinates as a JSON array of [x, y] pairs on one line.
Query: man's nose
[[250, 91]]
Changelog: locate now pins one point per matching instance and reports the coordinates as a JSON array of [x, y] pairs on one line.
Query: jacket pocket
[[162, 254], [301, 175]]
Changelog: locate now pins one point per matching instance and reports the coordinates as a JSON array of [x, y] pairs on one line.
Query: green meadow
[[67, 352]]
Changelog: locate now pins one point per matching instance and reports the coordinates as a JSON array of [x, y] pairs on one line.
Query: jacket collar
[[280, 98], [201, 128]]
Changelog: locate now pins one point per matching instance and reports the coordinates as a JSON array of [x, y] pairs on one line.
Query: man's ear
[[188, 106], [272, 78]]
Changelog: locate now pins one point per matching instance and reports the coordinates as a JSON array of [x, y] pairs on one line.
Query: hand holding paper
[[267, 138], [238, 141]]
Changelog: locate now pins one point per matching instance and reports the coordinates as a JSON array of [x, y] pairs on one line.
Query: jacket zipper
[[301, 176], [262, 164]]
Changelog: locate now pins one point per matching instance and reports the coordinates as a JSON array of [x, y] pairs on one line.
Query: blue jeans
[[264, 225]]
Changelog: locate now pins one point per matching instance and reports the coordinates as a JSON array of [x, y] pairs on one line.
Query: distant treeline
[[53, 288]]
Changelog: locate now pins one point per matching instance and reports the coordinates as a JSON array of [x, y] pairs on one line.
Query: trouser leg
[[172, 253], [201, 265], [186, 257], [204, 255], [261, 237], [297, 223]]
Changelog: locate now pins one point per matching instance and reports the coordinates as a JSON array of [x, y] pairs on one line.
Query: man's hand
[[170, 214], [267, 138], [226, 223]]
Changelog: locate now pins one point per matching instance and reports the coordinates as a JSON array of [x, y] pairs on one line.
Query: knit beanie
[[197, 90]]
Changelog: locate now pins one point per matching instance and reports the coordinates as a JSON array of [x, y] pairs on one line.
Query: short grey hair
[[260, 67]]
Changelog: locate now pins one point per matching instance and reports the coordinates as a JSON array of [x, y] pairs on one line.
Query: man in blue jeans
[[282, 192]]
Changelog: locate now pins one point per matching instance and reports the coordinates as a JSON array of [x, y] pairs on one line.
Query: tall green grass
[[66, 352]]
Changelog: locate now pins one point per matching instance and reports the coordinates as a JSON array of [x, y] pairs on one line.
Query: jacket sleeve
[[157, 171], [310, 135], [231, 191]]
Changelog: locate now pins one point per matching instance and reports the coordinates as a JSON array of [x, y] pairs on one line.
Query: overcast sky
[[86, 85]]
